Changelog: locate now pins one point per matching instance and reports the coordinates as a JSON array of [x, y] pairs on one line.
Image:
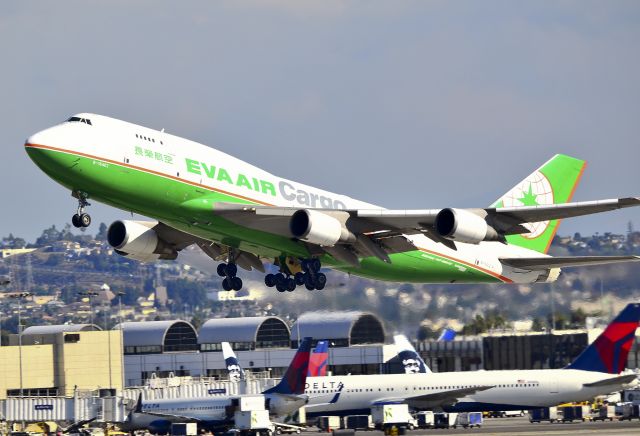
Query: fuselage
[[179, 182], [512, 390]]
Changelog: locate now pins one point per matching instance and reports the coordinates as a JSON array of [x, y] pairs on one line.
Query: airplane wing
[[531, 263], [380, 232], [438, 399], [613, 381]]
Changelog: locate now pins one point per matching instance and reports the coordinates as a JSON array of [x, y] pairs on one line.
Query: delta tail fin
[[236, 373], [609, 352], [411, 360], [295, 377], [319, 359], [552, 183]]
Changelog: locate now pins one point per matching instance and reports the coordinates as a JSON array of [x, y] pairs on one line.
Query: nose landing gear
[[81, 219]]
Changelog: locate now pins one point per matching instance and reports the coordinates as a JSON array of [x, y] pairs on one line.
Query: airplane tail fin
[[295, 377], [609, 352], [318, 360], [553, 183], [236, 373], [411, 360]]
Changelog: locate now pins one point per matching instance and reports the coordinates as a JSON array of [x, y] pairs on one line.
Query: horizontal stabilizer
[[613, 381], [532, 263]]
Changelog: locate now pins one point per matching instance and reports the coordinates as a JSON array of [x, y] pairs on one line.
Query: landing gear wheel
[[85, 220], [226, 285], [75, 220], [291, 284], [309, 283], [299, 278], [222, 269], [236, 283], [280, 287], [314, 265], [321, 281], [270, 280], [231, 270]]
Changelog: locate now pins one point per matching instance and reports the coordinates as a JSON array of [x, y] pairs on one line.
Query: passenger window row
[[146, 138]]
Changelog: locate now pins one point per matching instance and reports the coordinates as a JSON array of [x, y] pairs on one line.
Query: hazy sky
[[404, 104]]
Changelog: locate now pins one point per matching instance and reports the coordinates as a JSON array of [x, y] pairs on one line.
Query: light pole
[[120, 294], [19, 296], [90, 295]]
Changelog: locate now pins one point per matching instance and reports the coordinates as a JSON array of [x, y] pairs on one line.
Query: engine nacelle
[[137, 240], [463, 226], [281, 405], [319, 228]]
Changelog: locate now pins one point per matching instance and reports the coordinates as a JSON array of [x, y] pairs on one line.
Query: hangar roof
[[59, 328], [351, 327], [171, 335], [265, 331]]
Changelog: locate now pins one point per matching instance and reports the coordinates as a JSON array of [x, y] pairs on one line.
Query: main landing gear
[[229, 271], [81, 219], [309, 276]]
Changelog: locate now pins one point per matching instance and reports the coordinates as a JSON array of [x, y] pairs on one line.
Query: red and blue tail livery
[[609, 352], [319, 359], [293, 381]]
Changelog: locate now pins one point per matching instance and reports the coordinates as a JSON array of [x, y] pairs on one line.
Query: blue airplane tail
[[319, 359], [236, 373], [447, 335], [609, 352], [295, 378]]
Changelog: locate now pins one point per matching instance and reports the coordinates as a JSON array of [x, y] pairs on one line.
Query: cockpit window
[[79, 120]]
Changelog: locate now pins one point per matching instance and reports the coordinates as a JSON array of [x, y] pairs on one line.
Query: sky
[[410, 105]]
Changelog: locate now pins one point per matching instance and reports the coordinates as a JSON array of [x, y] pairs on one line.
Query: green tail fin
[[552, 183]]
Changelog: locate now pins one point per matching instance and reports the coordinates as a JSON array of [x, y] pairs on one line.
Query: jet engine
[[138, 240], [464, 226], [319, 228], [284, 404]]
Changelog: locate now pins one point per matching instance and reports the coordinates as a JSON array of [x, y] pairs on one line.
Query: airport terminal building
[[62, 360]]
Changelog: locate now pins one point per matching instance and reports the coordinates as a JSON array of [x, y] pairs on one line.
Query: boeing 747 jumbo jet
[[241, 215]]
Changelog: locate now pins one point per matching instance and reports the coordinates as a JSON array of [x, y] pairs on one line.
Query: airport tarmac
[[522, 426]]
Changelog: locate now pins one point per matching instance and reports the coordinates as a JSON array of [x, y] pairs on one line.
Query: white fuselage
[[113, 142], [519, 389]]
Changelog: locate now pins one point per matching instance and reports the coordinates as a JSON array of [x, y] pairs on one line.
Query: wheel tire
[[75, 220], [280, 288], [270, 280], [304, 264], [319, 286], [280, 280], [314, 265], [299, 278], [222, 269], [236, 283], [291, 284], [85, 220], [232, 270], [226, 285], [309, 282], [321, 280]]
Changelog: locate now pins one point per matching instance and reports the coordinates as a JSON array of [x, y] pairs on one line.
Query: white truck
[[387, 415], [254, 422]]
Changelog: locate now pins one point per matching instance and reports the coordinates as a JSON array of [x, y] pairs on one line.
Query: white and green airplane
[[241, 215]]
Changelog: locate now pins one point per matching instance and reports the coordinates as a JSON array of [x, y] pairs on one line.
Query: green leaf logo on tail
[[552, 183]]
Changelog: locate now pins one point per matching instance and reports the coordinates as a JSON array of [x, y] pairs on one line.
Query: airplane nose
[[36, 139]]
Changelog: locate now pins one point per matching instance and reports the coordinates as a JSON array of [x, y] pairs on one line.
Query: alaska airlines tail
[[296, 376], [552, 183], [608, 353], [411, 360], [318, 360], [236, 373], [447, 335]]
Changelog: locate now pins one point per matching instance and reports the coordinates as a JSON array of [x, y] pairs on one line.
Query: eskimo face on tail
[[411, 362]]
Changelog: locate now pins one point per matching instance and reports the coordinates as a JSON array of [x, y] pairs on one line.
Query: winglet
[[609, 352]]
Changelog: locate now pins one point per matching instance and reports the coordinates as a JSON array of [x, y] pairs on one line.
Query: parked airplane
[[596, 371], [241, 215], [217, 412]]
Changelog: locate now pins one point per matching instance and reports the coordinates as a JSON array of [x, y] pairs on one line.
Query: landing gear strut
[[310, 277], [81, 219], [229, 271]]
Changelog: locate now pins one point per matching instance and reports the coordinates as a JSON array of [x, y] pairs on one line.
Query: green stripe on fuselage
[[189, 207]]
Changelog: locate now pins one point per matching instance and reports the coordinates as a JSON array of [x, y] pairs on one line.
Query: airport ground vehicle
[[386, 415], [543, 414]]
